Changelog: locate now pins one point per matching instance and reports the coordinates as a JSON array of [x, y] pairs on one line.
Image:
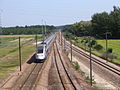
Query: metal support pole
[[43, 31], [61, 38], [36, 41], [90, 62], [106, 47], [20, 53], [0, 27], [64, 43], [71, 50]]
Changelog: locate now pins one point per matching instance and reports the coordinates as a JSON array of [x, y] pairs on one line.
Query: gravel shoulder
[[100, 81]]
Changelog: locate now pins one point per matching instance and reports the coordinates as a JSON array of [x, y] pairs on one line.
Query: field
[[9, 59], [114, 44]]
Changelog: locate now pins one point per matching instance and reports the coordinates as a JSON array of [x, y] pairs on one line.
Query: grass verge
[[9, 59], [114, 44]]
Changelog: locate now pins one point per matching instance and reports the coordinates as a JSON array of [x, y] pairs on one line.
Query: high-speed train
[[44, 48]]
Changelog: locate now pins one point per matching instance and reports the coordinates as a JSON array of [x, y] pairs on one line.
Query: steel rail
[[65, 69], [116, 71]]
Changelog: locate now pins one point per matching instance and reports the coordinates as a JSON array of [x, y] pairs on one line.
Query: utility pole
[[36, 41], [43, 31], [64, 43], [0, 26], [106, 47], [90, 60], [20, 53], [61, 38], [71, 49], [106, 35]]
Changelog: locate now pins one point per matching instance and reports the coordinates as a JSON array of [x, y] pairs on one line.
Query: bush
[[98, 47], [76, 65], [69, 36], [93, 42]]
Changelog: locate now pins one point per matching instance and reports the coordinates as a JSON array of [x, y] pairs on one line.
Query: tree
[[81, 27], [26, 30], [100, 23], [115, 22]]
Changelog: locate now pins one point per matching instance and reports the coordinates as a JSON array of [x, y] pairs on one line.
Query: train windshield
[[40, 49]]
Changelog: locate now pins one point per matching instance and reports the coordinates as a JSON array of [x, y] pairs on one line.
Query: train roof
[[41, 46], [43, 43]]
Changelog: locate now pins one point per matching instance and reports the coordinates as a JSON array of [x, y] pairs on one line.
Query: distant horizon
[[34, 25], [39, 24], [57, 13]]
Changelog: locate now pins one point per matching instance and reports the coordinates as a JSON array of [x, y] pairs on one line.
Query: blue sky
[[54, 12]]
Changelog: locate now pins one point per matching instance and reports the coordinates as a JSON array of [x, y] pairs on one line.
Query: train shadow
[[33, 60]]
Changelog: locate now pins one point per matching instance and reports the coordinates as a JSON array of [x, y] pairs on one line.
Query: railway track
[[103, 64], [68, 83], [26, 82]]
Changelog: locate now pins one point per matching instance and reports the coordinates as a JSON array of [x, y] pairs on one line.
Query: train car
[[41, 52], [43, 49]]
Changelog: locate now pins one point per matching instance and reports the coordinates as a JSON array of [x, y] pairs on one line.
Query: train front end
[[41, 53]]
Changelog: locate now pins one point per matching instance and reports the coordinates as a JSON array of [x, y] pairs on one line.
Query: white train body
[[41, 52], [44, 48]]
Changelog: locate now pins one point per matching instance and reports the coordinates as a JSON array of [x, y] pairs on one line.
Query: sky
[[54, 12]]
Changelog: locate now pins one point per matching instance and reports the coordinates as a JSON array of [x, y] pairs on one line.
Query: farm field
[[114, 44], [9, 59]]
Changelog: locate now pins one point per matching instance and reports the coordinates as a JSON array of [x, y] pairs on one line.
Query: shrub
[[98, 47], [93, 42], [76, 65]]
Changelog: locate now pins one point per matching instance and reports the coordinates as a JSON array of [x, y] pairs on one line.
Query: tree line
[[18, 30], [98, 26]]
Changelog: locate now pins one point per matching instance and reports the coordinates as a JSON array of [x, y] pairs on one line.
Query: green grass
[[10, 47], [76, 66], [9, 59], [114, 44], [6, 39]]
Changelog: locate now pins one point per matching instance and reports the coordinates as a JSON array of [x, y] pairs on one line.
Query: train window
[[40, 51]]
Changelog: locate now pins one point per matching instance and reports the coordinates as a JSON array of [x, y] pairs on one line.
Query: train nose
[[40, 56]]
